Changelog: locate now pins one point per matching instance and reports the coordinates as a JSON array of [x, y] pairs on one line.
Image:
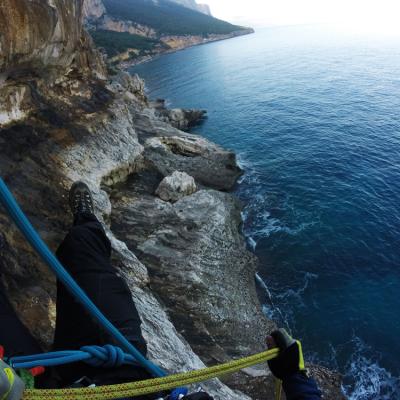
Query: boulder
[[174, 187]]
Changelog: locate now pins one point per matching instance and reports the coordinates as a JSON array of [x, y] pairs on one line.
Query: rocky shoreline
[[63, 119], [182, 43]]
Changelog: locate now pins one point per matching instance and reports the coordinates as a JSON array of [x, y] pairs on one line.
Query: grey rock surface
[[175, 186], [208, 163], [198, 265]]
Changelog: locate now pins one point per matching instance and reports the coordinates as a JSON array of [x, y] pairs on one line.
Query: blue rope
[[15, 212], [108, 357]]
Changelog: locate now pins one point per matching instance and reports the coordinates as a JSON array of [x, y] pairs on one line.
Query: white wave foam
[[272, 311], [258, 222], [364, 377], [297, 293], [368, 380]]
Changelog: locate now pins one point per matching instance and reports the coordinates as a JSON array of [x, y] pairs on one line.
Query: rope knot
[[107, 356]]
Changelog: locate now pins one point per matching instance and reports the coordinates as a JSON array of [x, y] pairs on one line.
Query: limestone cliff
[[62, 119], [42, 43]]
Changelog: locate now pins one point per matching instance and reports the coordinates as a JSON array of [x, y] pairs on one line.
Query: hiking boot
[[80, 199]]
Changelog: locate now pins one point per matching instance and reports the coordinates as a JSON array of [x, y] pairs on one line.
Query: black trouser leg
[[14, 336], [85, 253]]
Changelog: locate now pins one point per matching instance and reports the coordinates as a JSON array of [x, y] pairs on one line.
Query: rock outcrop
[[63, 119], [108, 23], [179, 118]]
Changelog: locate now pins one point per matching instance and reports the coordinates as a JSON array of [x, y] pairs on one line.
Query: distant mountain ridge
[[135, 30], [192, 4]]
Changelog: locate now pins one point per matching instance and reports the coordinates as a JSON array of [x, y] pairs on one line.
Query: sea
[[314, 117]]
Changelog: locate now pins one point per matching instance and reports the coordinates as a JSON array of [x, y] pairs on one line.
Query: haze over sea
[[314, 117]]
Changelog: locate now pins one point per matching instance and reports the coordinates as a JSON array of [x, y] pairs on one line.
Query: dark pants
[[85, 253]]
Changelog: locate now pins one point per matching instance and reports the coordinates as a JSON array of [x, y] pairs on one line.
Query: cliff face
[[62, 119], [116, 25], [39, 35], [43, 45]]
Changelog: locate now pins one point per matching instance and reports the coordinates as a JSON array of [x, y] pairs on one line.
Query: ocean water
[[314, 117]]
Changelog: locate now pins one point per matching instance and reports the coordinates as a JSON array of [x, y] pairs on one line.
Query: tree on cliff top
[[167, 17]]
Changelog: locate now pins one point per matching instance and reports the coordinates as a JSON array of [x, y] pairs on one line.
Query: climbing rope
[[17, 215], [107, 357], [151, 385]]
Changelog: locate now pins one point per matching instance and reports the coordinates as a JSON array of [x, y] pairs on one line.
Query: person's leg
[[85, 253], [14, 336]]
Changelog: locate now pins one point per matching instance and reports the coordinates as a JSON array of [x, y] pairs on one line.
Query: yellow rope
[[278, 389], [151, 385]]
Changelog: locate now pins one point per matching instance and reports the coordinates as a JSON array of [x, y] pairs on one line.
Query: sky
[[378, 16]]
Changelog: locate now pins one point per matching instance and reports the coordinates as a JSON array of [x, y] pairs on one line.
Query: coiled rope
[[97, 356], [151, 385]]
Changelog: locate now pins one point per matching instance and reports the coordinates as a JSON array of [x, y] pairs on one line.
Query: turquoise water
[[315, 119]]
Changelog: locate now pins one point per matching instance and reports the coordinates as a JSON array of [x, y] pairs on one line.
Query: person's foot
[[80, 199]]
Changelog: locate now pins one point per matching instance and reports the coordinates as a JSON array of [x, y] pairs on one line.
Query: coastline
[[144, 59]]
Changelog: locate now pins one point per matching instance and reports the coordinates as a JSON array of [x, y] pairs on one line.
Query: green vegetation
[[167, 17], [115, 43]]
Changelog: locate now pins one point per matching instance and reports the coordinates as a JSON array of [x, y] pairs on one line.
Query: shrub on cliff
[[115, 43]]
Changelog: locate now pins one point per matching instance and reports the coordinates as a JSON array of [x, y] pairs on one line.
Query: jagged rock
[[174, 187], [199, 266], [208, 163], [184, 119], [179, 118]]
